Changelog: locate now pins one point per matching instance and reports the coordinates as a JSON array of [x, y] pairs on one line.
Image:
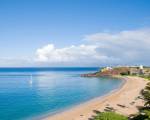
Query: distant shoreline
[[124, 95]]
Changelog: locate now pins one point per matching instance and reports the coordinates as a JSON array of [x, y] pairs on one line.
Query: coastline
[[126, 94]]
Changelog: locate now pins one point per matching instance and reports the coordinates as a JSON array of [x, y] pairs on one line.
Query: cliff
[[126, 70], [109, 72]]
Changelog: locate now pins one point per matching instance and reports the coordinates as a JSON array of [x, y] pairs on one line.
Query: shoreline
[[126, 94]]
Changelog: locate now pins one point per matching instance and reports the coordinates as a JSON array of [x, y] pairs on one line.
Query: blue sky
[[29, 25]]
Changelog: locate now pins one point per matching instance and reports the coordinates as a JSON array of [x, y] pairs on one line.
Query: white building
[[141, 67]]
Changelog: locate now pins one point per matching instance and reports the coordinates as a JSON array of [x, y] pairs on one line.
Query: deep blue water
[[27, 93]]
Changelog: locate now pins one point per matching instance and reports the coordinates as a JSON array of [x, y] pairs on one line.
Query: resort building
[[137, 70], [106, 69]]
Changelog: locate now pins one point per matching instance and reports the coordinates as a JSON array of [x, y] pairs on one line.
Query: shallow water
[[27, 93]]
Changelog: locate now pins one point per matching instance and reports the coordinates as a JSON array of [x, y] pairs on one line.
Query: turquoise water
[[29, 93]]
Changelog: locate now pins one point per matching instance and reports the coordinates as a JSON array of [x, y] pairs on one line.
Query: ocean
[[32, 93]]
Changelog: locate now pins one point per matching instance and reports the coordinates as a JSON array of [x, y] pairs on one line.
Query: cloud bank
[[124, 47], [72, 55], [131, 47]]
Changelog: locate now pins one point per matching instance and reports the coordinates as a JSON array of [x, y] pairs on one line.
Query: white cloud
[[72, 54], [129, 47], [124, 47]]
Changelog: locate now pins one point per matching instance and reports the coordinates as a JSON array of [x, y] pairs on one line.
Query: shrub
[[110, 116], [145, 111], [146, 95], [144, 115]]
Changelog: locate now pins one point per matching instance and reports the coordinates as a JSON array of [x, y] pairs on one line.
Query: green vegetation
[[110, 116], [125, 73], [144, 112], [143, 115], [146, 77], [146, 95]]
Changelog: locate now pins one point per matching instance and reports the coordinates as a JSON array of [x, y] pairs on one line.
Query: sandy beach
[[124, 100]]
